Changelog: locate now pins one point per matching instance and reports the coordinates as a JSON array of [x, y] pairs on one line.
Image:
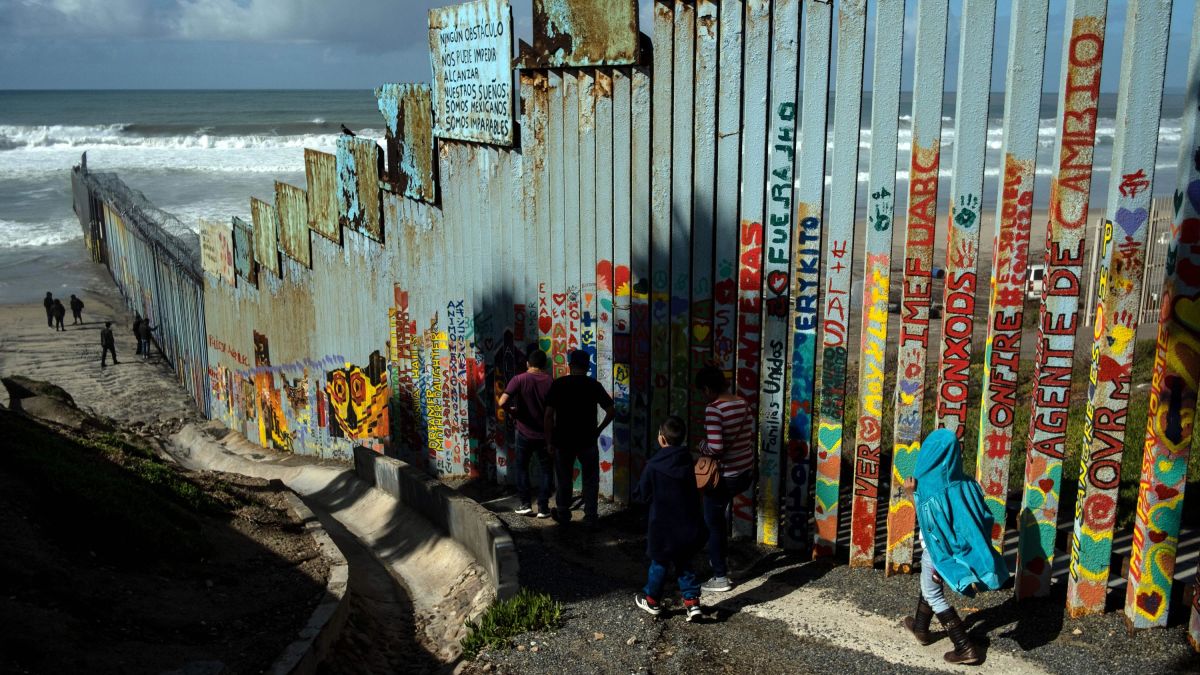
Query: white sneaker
[[717, 585], [543, 514], [524, 511]]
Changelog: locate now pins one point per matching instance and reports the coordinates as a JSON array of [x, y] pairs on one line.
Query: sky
[[349, 44]]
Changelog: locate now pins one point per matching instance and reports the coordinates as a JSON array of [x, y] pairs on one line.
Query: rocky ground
[[786, 616]]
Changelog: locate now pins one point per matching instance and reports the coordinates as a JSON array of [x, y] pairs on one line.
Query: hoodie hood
[[939, 463], [674, 461]]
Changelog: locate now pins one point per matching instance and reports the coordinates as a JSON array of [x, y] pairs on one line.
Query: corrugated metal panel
[[1010, 252], [835, 325], [320, 169], [556, 198], [292, 206], [604, 269], [641, 253], [920, 226], [266, 238], [359, 163], [586, 167], [725, 212], [774, 430], [470, 49], [584, 33]]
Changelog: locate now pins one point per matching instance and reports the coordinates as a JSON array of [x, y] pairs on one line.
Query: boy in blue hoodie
[[956, 530], [675, 532]]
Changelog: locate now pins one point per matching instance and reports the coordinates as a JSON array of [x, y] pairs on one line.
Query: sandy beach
[[134, 392]]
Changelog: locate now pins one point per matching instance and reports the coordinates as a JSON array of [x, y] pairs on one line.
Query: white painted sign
[[470, 47]]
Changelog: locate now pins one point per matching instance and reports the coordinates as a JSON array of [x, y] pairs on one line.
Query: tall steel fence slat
[[782, 497], [1010, 252], [1170, 425], [602, 267], [660, 215], [877, 249], [682, 80], [641, 253], [725, 211], [558, 223], [919, 230], [1173, 389], [588, 315], [704, 133], [966, 203], [745, 61], [622, 280], [838, 254]]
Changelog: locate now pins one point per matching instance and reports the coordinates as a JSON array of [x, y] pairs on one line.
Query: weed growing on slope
[[527, 611]]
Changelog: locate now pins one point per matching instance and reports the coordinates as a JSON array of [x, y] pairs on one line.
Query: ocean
[[203, 154]]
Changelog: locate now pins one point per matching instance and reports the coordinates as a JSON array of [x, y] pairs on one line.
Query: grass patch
[[504, 620]]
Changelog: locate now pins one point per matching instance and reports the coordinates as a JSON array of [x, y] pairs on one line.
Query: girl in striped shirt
[[729, 437]]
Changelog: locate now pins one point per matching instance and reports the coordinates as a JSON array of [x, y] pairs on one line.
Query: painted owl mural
[[358, 400]]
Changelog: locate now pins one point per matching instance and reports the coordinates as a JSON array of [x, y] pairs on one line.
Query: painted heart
[[1150, 602], [777, 282], [1188, 271], [1131, 220], [1157, 536], [545, 324], [1165, 492], [622, 276], [605, 467], [1046, 485], [701, 332], [1187, 312]]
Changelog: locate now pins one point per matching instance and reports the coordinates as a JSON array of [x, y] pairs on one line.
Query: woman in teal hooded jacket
[[956, 528]]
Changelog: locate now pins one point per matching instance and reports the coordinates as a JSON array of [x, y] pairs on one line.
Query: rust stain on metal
[[407, 111], [359, 163], [320, 168], [292, 205], [584, 33]]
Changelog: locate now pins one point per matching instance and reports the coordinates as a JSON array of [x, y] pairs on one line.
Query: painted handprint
[[967, 212]]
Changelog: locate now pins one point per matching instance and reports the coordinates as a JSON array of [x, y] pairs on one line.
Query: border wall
[[660, 201]]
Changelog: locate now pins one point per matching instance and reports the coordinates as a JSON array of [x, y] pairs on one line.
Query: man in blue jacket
[[675, 532]]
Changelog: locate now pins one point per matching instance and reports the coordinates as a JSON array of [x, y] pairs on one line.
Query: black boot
[[964, 652], [918, 624]]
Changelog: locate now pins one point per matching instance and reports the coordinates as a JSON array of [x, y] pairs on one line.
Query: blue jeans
[[657, 575], [931, 585], [589, 474], [527, 449], [716, 505]]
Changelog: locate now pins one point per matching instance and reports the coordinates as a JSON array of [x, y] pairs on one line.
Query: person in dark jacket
[[60, 313], [48, 303], [143, 337], [675, 532], [76, 310], [137, 330], [107, 344]]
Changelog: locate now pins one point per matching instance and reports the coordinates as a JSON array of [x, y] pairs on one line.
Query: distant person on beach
[[137, 330], [48, 303], [142, 333], [107, 344], [571, 407], [60, 313], [675, 528], [955, 530], [525, 398], [729, 438], [76, 310]]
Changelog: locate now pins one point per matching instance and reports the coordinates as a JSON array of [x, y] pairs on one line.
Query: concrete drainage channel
[[327, 620], [451, 555]]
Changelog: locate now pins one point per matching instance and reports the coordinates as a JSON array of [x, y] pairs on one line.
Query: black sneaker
[[560, 517], [691, 608], [647, 604]]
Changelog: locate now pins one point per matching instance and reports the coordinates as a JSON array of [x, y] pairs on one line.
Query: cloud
[[67, 18]]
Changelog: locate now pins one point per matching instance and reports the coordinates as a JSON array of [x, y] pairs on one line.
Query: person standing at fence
[[76, 310], [48, 303], [107, 344], [571, 410], [956, 530], [60, 313], [729, 438], [143, 335], [675, 527], [137, 330], [525, 398]]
